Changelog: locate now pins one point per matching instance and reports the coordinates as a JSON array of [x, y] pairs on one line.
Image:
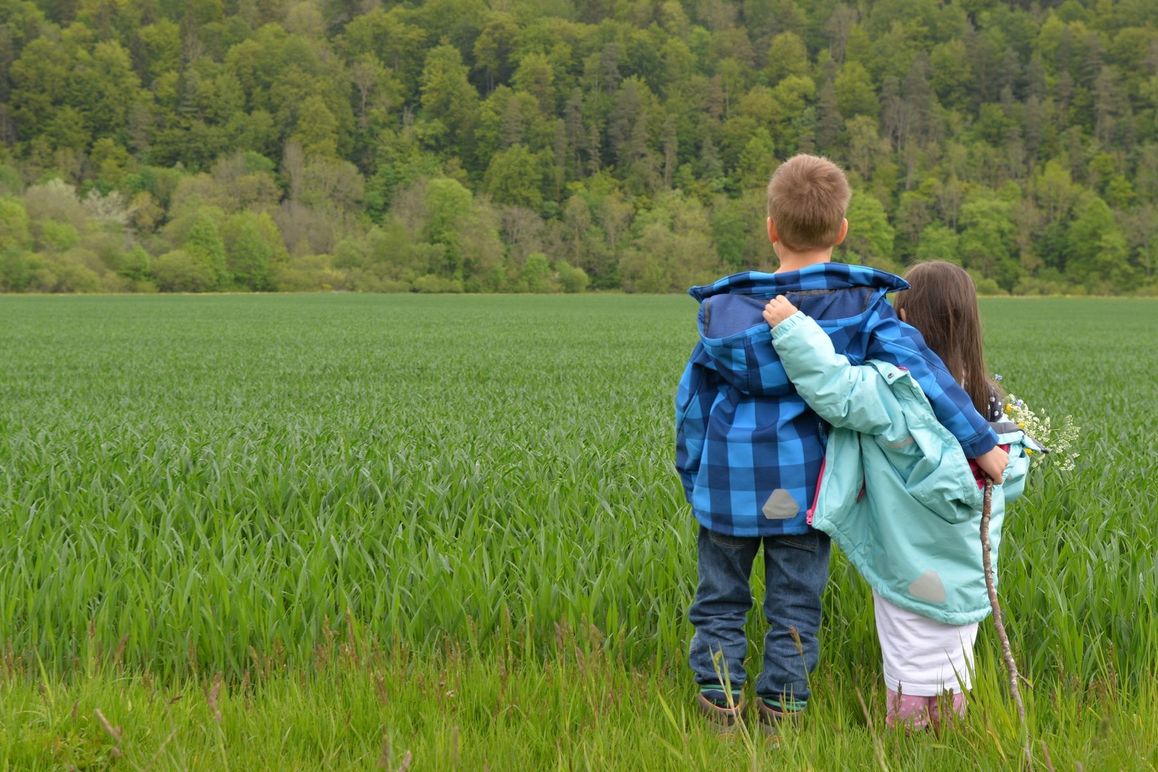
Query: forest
[[567, 145]]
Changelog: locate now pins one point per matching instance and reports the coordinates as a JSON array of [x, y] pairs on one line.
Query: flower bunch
[[1059, 442]]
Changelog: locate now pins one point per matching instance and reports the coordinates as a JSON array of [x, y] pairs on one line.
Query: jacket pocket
[[807, 542], [729, 542], [933, 473]]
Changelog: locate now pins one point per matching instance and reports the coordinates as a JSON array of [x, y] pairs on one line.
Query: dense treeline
[[565, 144]]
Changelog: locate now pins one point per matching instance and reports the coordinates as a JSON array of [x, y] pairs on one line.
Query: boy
[[749, 450]]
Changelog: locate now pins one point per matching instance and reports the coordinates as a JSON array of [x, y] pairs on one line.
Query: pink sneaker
[[909, 712]]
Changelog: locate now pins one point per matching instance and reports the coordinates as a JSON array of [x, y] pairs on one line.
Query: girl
[[942, 304], [897, 493]]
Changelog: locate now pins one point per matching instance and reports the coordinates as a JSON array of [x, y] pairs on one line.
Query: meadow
[[354, 531]]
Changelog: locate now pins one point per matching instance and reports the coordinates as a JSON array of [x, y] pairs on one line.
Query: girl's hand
[[777, 310], [993, 462]]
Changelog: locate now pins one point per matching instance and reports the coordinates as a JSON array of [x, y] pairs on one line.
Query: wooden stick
[[1010, 664]]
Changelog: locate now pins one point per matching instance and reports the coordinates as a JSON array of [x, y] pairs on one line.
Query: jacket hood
[[735, 337]]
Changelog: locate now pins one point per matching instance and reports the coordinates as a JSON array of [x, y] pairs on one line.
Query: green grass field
[[302, 531]]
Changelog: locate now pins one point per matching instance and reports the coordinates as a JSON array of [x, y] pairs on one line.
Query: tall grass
[[199, 484], [577, 709]]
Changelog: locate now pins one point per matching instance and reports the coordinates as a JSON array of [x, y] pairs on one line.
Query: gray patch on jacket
[[780, 505], [928, 587]]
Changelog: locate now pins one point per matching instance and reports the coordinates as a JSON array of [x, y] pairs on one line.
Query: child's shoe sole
[[772, 719], [724, 717]]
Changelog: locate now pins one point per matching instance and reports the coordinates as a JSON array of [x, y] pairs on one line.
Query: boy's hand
[[993, 464], [777, 310]]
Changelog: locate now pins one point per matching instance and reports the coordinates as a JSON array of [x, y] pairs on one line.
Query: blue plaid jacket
[[748, 448]]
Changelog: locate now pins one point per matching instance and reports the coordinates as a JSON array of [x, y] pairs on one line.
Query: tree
[[447, 96], [107, 87], [493, 47], [987, 243], [729, 232], [756, 161], [914, 213], [870, 237], [938, 243], [515, 176], [40, 77], [1096, 249], [828, 120], [72, 271], [1113, 120], [448, 206], [15, 235], [317, 129], [593, 111], [571, 278], [161, 43], [326, 185], [17, 266], [55, 200], [854, 91], [629, 134], [787, 55], [18, 270], [795, 118], [585, 242], [865, 147], [400, 162], [392, 39], [253, 245], [203, 244], [536, 274], [56, 236], [1055, 195], [178, 271], [950, 72], [378, 90], [536, 77], [673, 250]]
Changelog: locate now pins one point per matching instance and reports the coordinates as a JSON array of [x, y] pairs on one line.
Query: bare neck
[[794, 261]]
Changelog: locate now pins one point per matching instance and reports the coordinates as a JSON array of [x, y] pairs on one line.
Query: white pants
[[922, 657]]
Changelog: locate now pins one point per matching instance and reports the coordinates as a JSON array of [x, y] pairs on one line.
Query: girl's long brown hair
[[942, 305]]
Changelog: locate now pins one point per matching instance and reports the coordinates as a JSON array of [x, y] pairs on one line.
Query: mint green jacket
[[896, 492]]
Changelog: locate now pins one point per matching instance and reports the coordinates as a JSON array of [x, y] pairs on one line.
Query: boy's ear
[[773, 236], [843, 231]]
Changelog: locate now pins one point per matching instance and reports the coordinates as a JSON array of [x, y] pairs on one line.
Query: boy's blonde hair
[[807, 199]]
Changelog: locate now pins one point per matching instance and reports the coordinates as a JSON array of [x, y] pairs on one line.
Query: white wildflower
[[1060, 442]]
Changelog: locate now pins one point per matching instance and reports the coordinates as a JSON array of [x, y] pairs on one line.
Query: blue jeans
[[795, 570]]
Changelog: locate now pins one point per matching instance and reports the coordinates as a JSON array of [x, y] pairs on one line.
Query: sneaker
[[715, 704], [773, 713]]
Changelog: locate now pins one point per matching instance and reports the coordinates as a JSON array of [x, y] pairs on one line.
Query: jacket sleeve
[[845, 395], [893, 341], [692, 405]]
